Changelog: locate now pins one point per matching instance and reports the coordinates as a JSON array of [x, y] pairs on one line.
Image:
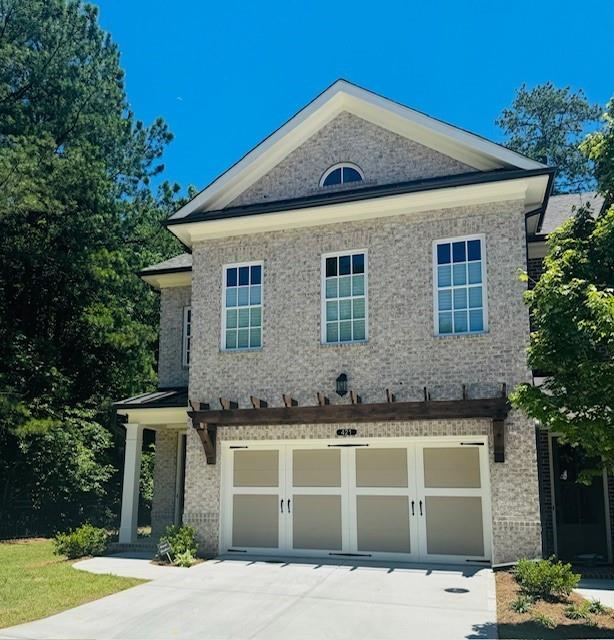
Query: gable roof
[[469, 148]]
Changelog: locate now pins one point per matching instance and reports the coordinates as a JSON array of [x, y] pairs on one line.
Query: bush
[[181, 539], [544, 620], [86, 540], [522, 604], [545, 578], [185, 559], [597, 608], [578, 612]]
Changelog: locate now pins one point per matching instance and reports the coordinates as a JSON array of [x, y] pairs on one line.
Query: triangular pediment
[[348, 123]]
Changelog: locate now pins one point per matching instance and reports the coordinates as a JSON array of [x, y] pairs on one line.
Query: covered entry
[[402, 499]]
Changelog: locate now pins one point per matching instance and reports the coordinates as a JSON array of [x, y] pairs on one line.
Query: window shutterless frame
[[484, 285], [186, 336], [238, 265], [324, 299], [342, 165]]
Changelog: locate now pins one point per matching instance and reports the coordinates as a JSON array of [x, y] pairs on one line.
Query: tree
[[599, 147], [77, 326], [572, 306], [547, 124]]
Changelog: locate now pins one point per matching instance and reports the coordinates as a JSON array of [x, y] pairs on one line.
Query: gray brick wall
[[171, 372], [165, 470], [402, 352], [384, 157]]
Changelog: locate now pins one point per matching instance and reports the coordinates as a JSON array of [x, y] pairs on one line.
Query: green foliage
[[146, 481], [546, 124], [597, 608], [182, 540], [578, 612], [599, 148], [544, 620], [86, 540], [78, 219], [545, 578], [185, 559], [572, 306], [523, 603]]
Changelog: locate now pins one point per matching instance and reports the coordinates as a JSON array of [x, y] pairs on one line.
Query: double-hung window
[[242, 307], [344, 297], [460, 304], [187, 336]]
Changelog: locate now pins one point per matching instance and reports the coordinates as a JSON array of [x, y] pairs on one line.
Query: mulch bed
[[525, 625]]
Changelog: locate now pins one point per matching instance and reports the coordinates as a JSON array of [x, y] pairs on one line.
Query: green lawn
[[34, 583]]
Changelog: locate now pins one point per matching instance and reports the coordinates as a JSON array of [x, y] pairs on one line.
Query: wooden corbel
[[207, 433], [390, 397], [355, 398], [228, 404], [322, 399], [498, 432]]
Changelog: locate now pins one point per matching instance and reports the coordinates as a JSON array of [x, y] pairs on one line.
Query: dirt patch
[[532, 624]]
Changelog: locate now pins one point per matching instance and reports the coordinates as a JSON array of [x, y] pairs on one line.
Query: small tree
[[599, 147], [573, 310], [547, 124]]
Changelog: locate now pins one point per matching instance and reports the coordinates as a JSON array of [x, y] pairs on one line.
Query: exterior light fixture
[[342, 384]]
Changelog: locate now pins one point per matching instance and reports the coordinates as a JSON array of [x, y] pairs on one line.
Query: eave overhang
[[162, 408], [532, 186], [162, 278]]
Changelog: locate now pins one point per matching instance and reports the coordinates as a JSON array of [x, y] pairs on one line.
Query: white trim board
[[454, 142]]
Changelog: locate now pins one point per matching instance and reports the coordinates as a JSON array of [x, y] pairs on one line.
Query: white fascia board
[[166, 280], [466, 147], [403, 204], [172, 417]]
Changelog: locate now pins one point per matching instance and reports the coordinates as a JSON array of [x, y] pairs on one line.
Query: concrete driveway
[[223, 599]]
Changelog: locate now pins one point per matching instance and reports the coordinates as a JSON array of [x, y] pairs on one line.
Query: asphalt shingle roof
[[183, 261], [560, 208]]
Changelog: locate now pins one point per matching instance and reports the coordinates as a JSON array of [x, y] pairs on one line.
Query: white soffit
[[461, 145], [164, 280], [530, 190]]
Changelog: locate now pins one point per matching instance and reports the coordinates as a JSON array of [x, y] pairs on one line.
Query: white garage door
[[388, 499]]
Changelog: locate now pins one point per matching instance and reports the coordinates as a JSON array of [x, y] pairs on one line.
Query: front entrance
[[387, 499], [580, 514]]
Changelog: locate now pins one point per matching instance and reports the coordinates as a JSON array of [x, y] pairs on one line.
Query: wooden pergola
[[206, 420]]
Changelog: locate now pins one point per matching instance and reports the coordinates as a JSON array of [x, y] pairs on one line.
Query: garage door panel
[[317, 522], [372, 534], [316, 468], [256, 468], [255, 521], [451, 467], [454, 526], [381, 467]]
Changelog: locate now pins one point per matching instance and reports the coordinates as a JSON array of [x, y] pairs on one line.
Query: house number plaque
[[343, 433]]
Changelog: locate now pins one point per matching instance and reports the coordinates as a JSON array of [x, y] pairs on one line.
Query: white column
[[130, 491]]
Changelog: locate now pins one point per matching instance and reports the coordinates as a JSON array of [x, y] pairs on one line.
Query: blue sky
[[224, 74]]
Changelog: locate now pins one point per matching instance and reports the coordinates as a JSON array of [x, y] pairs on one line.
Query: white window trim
[[482, 238], [185, 337], [340, 165], [232, 265], [323, 298]]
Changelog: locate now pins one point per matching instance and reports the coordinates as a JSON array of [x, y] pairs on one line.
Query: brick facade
[[171, 372], [383, 156], [165, 474]]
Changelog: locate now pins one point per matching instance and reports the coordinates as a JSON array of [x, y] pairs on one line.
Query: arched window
[[341, 174]]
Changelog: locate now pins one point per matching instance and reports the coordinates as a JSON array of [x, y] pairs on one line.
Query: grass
[[572, 617], [34, 583]]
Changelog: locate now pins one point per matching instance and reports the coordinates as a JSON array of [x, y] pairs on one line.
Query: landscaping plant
[[86, 540], [185, 559], [522, 604], [545, 579], [181, 539]]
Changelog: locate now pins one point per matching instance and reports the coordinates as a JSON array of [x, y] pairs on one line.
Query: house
[[576, 517], [337, 345]]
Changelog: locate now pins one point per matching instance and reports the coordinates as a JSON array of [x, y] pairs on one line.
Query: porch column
[[130, 491]]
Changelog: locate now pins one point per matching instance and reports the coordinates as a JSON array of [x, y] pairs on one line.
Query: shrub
[[522, 604], [181, 539], [544, 620], [86, 540], [597, 608], [185, 559], [577, 612], [545, 578]]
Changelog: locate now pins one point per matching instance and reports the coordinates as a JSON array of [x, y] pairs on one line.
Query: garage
[[408, 500]]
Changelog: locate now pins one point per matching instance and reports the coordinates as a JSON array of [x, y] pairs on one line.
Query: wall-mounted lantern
[[342, 384]]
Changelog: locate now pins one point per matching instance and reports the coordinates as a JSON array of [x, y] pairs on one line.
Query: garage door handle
[[289, 505], [412, 508], [281, 505], [420, 507]]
